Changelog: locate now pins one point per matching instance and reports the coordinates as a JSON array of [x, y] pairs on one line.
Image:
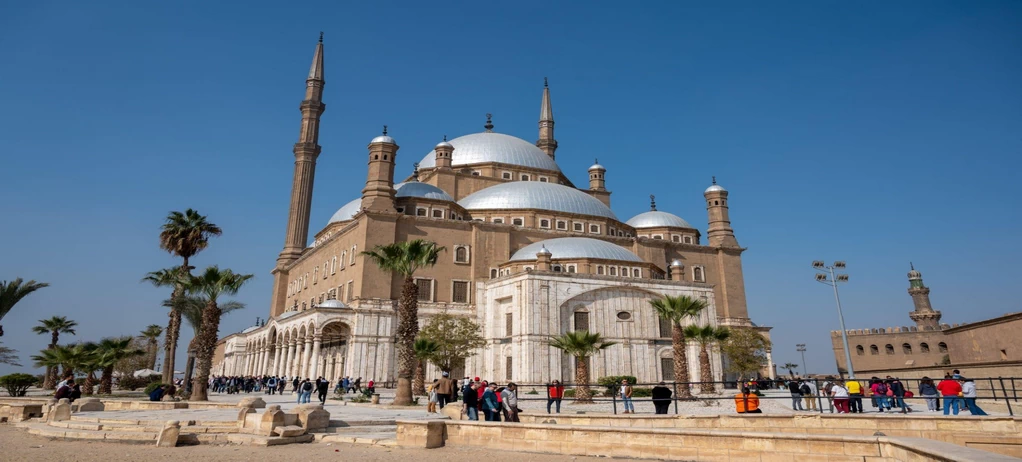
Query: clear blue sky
[[875, 132]]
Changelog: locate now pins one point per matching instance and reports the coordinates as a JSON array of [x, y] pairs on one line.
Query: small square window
[[506, 175], [544, 224], [636, 273], [676, 238], [571, 268], [562, 224], [400, 209], [461, 254], [518, 221], [420, 212], [525, 177], [438, 214], [595, 229], [613, 271], [658, 236], [579, 227], [688, 239], [459, 292], [425, 289], [543, 179], [498, 220], [599, 270]]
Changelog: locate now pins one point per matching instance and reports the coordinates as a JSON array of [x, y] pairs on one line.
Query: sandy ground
[[16, 445]]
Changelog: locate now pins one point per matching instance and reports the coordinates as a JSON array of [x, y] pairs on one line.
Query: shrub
[[569, 393], [132, 383], [642, 392], [17, 384], [152, 386], [612, 382]]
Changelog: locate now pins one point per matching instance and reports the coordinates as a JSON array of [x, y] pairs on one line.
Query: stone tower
[[924, 315], [719, 232], [306, 150], [546, 140], [444, 151], [597, 177], [379, 192]]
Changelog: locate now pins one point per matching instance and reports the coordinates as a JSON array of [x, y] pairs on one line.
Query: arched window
[[859, 350], [461, 254], [493, 273], [889, 349], [599, 270], [697, 274], [942, 347], [613, 271], [924, 348], [906, 348], [873, 350]]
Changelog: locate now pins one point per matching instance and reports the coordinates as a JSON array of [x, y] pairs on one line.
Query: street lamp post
[[801, 348], [826, 275]]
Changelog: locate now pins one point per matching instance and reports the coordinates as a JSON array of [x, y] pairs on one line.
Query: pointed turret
[[925, 317], [546, 140]]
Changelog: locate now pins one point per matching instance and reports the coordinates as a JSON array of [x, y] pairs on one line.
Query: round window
[[624, 315]]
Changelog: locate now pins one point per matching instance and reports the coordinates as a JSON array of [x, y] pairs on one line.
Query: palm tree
[[211, 285], [169, 278], [90, 362], [11, 292], [191, 308], [69, 358], [675, 309], [424, 350], [404, 259], [706, 335], [152, 334], [791, 368], [184, 235], [108, 352], [54, 326], [581, 344]]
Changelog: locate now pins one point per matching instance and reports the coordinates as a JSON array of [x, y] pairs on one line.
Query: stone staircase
[[129, 431]]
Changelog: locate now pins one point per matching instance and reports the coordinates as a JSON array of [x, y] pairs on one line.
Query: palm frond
[[11, 292]]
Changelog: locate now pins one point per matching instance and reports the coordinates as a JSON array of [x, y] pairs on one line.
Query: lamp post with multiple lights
[[826, 275], [801, 348]]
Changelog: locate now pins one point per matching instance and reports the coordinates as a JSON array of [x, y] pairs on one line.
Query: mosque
[[528, 255]]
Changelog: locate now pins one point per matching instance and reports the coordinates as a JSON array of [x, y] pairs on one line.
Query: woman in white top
[[969, 394], [840, 395]]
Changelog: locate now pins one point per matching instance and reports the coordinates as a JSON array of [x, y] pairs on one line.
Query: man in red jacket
[[950, 389]]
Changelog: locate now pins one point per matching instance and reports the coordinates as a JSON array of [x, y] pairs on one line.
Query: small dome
[[347, 212], [383, 139], [444, 144], [543, 251], [423, 190], [657, 219], [597, 166], [494, 147], [538, 196], [715, 188], [576, 247], [250, 329], [915, 274], [332, 304], [677, 264]]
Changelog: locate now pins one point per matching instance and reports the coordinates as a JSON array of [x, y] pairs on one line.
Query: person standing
[[305, 395], [969, 395], [294, 385], [827, 386], [898, 389], [626, 397], [271, 385], [808, 390], [840, 396], [322, 386], [880, 389], [371, 387], [662, 398], [431, 407], [444, 388], [929, 393], [491, 408], [471, 402], [854, 396], [796, 395], [555, 393], [950, 389], [510, 399]]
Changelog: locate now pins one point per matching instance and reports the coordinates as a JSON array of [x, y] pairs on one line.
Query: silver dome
[[423, 190], [714, 188], [383, 139], [576, 247], [597, 167], [543, 251], [536, 195], [347, 212], [657, 219], [332, 304], [494, 147], [677, 264], [444, 144]]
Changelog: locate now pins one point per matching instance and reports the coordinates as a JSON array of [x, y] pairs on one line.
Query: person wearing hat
[[444, 388]]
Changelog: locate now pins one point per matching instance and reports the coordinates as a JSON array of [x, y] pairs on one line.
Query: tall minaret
[[546, 140], [924, 315], [719, 232], [306, 151]]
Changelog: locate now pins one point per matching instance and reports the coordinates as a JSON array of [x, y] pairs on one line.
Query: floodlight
[[821, 277], [842, 278], [839, 264], [818, 264]]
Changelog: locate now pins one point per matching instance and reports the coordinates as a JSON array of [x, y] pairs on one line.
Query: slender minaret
[[719, 232], [597, 177], [306, 150], [924, 315], [379, 193], [546, 140]]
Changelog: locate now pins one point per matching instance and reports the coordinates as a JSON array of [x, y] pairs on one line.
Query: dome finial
[[652, 203], [320, 36], [545, 84], [911, 266], [415, 171], [445, 137], [489, 123], [384, 130], [714, 179]]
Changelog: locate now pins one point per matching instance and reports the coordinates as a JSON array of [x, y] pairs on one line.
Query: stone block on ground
[[312, 417], [272, 418], [90, 405], [169, 435], [60, 412], [254, 402], [288, 431], [453, 411]]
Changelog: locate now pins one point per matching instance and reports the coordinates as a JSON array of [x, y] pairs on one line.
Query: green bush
[[17, 384], [569, 393], [132, 383], [152, 386], [642, 392], [612, 382]]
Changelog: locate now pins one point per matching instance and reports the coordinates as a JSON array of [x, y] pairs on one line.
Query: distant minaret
[[306, 150], [719, 233], [379, 193], [546, 140], [444, 152], [597, 177], [924, 315]]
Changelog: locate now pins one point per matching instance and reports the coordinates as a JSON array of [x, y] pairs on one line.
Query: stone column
[[770, 365], [266, 361], [244, 367], [317, 342], [289, 353], [276, 359], [292, 359], [307, 356]]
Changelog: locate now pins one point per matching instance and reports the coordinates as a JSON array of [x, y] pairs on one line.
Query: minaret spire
[[306, 151], [925, 317], [546, 140]]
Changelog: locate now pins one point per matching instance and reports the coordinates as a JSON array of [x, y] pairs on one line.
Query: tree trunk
[[154, 346], [705, 374], [419, 384], [189, 365], [407, 330], [170, 342], [90, 384], [106, 381], [50, 382], [204, 348], [582, 393], [680, 361]]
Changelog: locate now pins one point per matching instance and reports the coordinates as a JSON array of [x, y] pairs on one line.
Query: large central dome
[[519, 195], [480, 148]]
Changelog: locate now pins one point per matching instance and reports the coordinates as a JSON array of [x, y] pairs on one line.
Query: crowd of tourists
[[303, 387], [953, 393]]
